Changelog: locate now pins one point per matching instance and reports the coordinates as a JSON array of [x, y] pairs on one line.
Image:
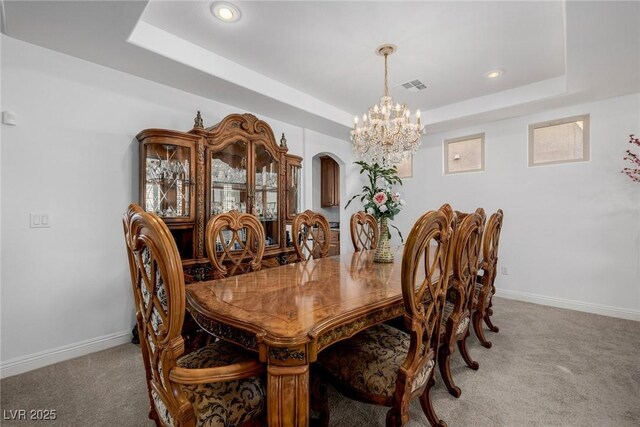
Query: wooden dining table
[[288, 314]]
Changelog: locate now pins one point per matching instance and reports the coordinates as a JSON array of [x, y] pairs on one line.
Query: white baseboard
[[587, 307], [38, 360]]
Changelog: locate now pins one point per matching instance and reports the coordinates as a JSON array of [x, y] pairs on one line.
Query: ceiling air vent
[[414, 85]]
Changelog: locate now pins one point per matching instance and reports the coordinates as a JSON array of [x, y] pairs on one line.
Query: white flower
[[370, 211], [383, 208], [402, 202]]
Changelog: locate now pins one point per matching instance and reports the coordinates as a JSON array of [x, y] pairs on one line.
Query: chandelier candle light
[[386, 135]]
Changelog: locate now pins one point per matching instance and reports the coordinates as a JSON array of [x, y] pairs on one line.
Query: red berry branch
[[634, 171]]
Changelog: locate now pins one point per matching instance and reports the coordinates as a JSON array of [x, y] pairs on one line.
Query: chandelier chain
[[386, 83]]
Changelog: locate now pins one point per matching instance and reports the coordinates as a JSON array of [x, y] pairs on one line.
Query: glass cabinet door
[[167, 185], [294, 188], [229, 179], [265, 200]]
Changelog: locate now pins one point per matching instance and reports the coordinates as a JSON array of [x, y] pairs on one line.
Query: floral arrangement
[[384, 203], [378, 198], [634, 171]]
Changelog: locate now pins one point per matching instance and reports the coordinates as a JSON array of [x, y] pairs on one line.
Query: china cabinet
[[187, 177]]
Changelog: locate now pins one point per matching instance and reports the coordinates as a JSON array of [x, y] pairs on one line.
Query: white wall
[[66, 290], [571, 234]]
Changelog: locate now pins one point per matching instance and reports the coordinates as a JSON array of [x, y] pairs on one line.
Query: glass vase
[[383, 252]]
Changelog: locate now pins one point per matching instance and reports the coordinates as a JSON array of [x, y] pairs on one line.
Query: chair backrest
[[311, 235], [364, 231], [159, 295], [466, 247], [490, 242], [425, 274], [491, 239], [452, 218], [235, 243], [461, 215]]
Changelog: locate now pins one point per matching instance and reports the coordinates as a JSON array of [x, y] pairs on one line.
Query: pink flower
[[395, 197], [380, 198]]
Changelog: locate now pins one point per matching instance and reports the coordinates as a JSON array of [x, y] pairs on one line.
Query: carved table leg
[[288, 395]]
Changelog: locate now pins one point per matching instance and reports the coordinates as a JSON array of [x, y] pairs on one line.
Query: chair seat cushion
[[227, 403], [448, 309], [477, 292], [462, 325], [369, 361]]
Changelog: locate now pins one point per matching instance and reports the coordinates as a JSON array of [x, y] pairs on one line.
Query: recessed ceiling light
[[494, 74], [226, 12]]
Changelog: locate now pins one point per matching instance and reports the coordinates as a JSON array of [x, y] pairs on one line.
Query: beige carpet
[[547, 367]]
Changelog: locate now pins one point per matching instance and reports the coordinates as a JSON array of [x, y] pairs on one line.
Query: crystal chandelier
[[386, 135]]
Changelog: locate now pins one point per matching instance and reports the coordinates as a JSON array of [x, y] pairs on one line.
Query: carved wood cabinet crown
[[188, 177]]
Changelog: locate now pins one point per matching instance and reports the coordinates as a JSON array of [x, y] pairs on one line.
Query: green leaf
[[399, 232], [350, 200]]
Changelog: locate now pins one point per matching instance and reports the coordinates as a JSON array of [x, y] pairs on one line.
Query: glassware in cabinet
[[266, 192], [229, 179], [167, 180], [293, 186]]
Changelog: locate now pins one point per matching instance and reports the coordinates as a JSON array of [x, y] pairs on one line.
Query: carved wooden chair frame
[[159, 295], [313, 227], [423, 303], [466, 246], [364, 231], [483, 310], [237, 255], [427, 247]]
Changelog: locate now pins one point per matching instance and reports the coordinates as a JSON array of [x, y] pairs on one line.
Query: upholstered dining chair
[[486, 289], [458, 309], [216, 385], [312, 235], [364, 231], [235, 243], [384, 365]]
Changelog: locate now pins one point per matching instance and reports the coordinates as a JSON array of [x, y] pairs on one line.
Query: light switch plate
[[9, 118], [39, 220]]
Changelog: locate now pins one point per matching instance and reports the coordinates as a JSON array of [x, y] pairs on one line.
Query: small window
[[559, 141], [405, 168], [465, 154]]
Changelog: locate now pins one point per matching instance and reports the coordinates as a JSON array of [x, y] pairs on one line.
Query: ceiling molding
[[161, 42], [310, 69], [497, 101]]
